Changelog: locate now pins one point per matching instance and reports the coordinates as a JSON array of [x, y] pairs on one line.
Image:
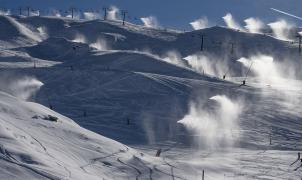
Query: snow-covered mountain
[[149, 89]]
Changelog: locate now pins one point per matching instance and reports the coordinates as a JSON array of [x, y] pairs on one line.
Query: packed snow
[[93, 99]]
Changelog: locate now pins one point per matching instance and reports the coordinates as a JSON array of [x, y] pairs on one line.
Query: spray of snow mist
[[23, 88], [150, 21], [80, 38], [213, 129], [230, 22], [263, 67], [200, 23], [207, 65], [254, 25], [100, 44], [281, 29], [113, 13]]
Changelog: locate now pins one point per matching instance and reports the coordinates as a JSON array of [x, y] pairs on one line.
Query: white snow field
[[97, 100]]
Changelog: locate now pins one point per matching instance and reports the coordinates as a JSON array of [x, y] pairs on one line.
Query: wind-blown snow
[[22, 88], [34, 13], [174, 57], [100, 44], [91, 15], [24, 30], [150, 21], [254, 25], [281, 29], [231, 22], [213, 129], [200, 23], [80, 38], [113, 13], [207, 65], [263, 66], [5, 12]]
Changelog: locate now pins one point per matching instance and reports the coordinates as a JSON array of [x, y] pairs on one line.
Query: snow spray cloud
[[24, 30], [174, 57], [91, 15], [43, 32], [100, 44], [207, 65], [213, 128], [80, 38], [150, 21], [76, 15], [34, 13], [23, 88], [281, 29], [254, 25], [230, 22], [267, 71], [54, 12], [113, 13], [200, 23], [5, 12]]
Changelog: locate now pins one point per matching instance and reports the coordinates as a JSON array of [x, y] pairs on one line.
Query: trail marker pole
[[232, 47], [300, 40], [105, 13], [202, 174], [72, 12], [124, 16], [202, 42]]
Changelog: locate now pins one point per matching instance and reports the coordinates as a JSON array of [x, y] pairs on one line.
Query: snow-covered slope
[[38, 143], [134, 85]]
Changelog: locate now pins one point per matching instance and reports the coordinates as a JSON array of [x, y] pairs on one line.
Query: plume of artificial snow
[[254, 25], [230, 22], [150, 21], [200, 23], [281, 29], [100, 45], [213, 129], [113, 13], [80, 38], [91, 15], [5, 12]]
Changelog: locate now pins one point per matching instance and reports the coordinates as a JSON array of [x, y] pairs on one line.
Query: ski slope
[[133, 84]]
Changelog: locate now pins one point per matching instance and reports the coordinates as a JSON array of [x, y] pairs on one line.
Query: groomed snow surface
[[98, 100]]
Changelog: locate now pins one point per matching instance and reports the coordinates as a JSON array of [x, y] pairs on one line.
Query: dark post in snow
[[124, 16], [232, 47], [270, 139], [202, 174], [128, 121], [105, 13], [20, 11], [158, 152], [72, 12], [300, 40], [28, 9], [202, 39]]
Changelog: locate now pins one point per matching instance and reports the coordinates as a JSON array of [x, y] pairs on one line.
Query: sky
[[177, 13]]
